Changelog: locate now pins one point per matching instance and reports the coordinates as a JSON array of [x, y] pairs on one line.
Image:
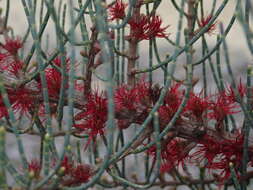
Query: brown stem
[[190, 18], [132, 51], [91, 59], [131, 62]]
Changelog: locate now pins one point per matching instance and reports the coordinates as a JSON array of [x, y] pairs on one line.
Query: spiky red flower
[[125, 96], [204, 21], [132, 103], [221, 107], [146, 28], [218, 153], [35, 167], [15, 68], [10, 65], [93, 117], [22, 99], [230, 93], [54, 79], [154, 28], [67, 164], [117, 10], [138, 27], [173, 154], [171, 104], [81, 173], [197, 105], [174, 96], [12, 45]]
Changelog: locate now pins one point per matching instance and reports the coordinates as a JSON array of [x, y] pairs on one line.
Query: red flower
[[10, 65], [197, 105], [171, 104], [221, 107], [54, 79], [68, 165], [93, 117], [204, 21], [15, 68], [81, 173], [174, 96], [12, 45], [132, 104], [231, 92], [125, 96], [35, 167], [220, 152], [3, 109], [22, 99], [154, 28], [145, 28], [117, 10], [172, 154], [138, 26]]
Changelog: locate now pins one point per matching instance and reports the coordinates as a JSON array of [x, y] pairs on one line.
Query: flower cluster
[[26, 98], [133, 105], [142, 27], [73, 173], [173, 154], [217, 154], [22, 98], [126, 111]]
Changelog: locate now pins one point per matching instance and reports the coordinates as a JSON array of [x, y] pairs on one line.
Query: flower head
[[230, 93], [54, 78], [154, 28], [218, 153], [10, 64], [197, 105], [221, 107], [81, 173], [34, 166], [173, 153], [22, 99], [77, 174], [146, 28], [67, 164], [132, 103], [93, 117], [12, 45], [171, 104], [204, 21], [117, 10]]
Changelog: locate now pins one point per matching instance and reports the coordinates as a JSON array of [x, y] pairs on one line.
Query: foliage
[[174, 127]]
